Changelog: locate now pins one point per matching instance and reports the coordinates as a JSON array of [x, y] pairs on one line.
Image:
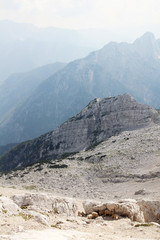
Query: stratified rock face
[[101, 119]]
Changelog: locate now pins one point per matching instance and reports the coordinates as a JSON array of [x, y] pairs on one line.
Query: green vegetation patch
[[25, 216], [4, 211], [55, 226], [55, 210], [144, 225], [31, 187]]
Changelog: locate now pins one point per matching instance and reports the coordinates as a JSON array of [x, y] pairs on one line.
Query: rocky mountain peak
[[148, 36], [147, 46], [99, 120]]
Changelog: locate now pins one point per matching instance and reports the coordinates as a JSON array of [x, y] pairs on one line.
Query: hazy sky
[[80, 14]]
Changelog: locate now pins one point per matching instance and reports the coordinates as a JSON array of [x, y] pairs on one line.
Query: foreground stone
[[46, 203], [40, 205], [140, 211], [151, 210], [44, 216], [8, 207]]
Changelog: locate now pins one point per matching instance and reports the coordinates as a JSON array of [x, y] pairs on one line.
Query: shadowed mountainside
[[19, 86]]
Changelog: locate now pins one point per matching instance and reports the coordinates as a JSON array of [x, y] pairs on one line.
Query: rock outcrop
[[101, 119], [140, 211], [37, 206], [46, 203], [37, 219], [40, 205], [8, 207], [151, 210]]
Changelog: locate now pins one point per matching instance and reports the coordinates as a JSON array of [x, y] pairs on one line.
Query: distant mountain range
[[101, 119], [24, 47], [18, 87], [113, 70]]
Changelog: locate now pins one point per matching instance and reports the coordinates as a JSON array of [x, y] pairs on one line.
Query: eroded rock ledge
[[140, 211]]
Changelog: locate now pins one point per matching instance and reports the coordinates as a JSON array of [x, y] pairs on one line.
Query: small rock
[[89, 216], [104, 224], [87, 222], [107, 212], [115, 216], [59, 222], [101, 212], [94, 215], [81, 214], [20, 229], [140, 192]]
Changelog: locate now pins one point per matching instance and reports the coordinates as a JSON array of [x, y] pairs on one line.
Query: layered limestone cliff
[[101, 119]]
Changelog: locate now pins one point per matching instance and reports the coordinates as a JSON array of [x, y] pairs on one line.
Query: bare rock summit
[[99, 120]]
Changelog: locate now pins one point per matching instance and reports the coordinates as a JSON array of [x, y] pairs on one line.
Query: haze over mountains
[[19, 86], [24, 47], [115, 69]]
